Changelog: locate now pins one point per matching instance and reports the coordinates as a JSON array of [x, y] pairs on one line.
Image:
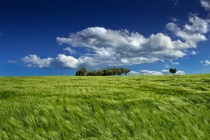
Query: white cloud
[[205, 4], [11, 61], [61, 61], [125, 45], [121, 47], [179, 72], [165, 71], [205, 63], [148, 72], [145, 72], [35, 61], [192, 33], [174, 63], [198, 25], [67, 62], [172, 27], [175, 19], [71, 51], [192, 39], [133, 73], [193, 53]]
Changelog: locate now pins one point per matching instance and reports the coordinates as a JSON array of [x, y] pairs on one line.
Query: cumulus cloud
[[133, 73], [71, 51], [205, 4], [193, 53], [165, 71], [35, 61], [63, 61], [198, 25], [192, 39], [130, 48], [192, 32], [205, 63], [179, 72], [149, 72], [121, 47]]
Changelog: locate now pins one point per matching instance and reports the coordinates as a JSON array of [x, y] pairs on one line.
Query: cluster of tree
[[103, 72], [109, 72]]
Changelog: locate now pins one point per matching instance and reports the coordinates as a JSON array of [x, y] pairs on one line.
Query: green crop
[[112, 107]]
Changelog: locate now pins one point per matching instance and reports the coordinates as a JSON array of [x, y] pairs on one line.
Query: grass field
[[124, 107]]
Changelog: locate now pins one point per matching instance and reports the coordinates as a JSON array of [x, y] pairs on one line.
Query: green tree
[[82, 72], [94, 73], [126, 71], [102, 72], [120, 71], [114, 71], [171, 70]]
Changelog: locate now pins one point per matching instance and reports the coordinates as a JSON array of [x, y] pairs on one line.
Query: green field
[[112, 107]]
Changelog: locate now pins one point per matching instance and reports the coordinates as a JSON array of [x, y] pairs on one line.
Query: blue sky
[[46, 37]]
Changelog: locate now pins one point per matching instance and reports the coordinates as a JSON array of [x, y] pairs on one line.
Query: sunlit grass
[[124, 107]]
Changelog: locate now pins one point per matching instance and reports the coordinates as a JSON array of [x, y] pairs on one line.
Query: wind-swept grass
[[127, 107]]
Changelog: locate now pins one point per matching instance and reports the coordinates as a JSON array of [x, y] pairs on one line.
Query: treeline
[[103, 72]]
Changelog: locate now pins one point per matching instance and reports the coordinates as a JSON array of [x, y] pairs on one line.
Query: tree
[[119, 71], [82, 72], [102, 72], [109, 72], [172, 71], [114, 71], [126, 71]]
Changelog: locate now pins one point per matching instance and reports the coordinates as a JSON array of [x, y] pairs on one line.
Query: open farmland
[[115, 107]]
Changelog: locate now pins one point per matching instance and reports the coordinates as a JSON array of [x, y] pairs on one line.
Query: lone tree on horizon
[[171, 70]]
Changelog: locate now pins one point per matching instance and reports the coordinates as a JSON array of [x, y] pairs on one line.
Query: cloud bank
[[121, 47], [126, 45]]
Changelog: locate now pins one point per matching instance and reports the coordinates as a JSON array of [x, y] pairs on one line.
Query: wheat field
[[112, 107]]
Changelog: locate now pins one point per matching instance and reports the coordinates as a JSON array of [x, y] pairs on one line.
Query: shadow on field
[[7, 94]]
